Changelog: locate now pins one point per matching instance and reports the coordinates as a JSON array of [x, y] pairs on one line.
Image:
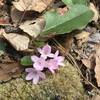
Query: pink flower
[[46, 60], [39, 63], [34, 75], [59, 59], [53, 64], [45, 51]]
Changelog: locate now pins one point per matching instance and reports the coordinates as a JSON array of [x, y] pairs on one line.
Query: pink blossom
[[53, 64], [59, 59], [39, 63], [46, 60], [45, 51], [34, 75]]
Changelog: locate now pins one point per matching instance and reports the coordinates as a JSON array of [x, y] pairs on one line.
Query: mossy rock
[[64, 85]]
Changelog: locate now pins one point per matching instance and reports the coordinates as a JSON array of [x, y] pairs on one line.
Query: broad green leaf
[[2, 47], [72, 2], [68, 2], [77, 17], [26, 61], [80, 2]]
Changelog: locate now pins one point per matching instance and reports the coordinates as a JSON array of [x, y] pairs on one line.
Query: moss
[[65, 84]]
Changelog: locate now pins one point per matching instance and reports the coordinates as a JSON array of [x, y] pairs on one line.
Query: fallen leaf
[[9, 70], [4, 21], [5, 59], [97, 67], [19, 42], [94, 38], [89, 62], [34, 27], [82, 37], [36, 5], [96, 12], [4, 17], [16, 15]]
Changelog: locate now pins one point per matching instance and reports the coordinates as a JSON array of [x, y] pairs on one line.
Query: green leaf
[[77, 17], [2, 47], [72, 2], [26, 61], [80, 2], [68, 2], [39, 43]]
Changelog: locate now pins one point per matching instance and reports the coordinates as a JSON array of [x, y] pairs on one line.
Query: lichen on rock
[[65, 85]]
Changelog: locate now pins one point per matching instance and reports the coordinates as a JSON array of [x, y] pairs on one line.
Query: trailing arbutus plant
[[77, 17]]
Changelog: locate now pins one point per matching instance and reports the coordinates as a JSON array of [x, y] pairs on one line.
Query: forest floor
[[21, 26]]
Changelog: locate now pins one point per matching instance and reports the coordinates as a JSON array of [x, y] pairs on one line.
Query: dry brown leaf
[[19, 42], [34, 27], [82, 37], [4, 18], [97, 67], [36, 5], [4, 21], [94, 38], [16, 15], [89, 62], [96, 12], [9, 70]]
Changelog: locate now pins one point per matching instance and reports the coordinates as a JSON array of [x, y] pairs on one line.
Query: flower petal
[[56, 53], [47, 49], [41, 75], [38, 67], [39, 50], [34, 58], [29, 70], [60, 58], [51, 55], [29, 76], [52, 71], [44, 56], [62, 64], [35, 79]]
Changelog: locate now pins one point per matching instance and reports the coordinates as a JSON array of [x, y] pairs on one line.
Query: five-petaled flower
[[45, 51], [34, 75], [38, 63], [59, 59], [53, 64]]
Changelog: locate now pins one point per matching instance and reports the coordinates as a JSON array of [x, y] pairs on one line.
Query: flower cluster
[[48, 60]]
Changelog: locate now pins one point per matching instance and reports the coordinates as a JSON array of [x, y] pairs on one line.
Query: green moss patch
[[65, 84]]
